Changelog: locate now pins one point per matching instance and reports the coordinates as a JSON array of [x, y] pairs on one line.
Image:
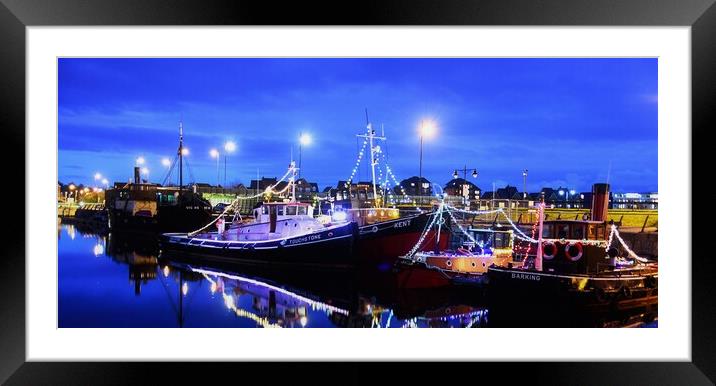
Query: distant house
[[262, 184], [460, 187], [415, 186], [305, 191]]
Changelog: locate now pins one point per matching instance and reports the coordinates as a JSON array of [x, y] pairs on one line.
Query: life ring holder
[[569, 246], [547, 244]]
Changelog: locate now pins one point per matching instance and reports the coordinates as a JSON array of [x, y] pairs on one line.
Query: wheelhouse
[[574, 230]]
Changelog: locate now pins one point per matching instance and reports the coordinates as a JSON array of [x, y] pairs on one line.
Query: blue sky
[[565, 120]]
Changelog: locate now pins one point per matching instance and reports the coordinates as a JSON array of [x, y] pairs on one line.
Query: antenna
[[609, 171]]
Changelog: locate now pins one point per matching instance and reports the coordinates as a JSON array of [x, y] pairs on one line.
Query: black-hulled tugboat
[[582, 263], [281, 233], [143, 207]]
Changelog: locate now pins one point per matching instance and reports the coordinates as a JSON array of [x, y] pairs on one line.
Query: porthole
[[449, 263]]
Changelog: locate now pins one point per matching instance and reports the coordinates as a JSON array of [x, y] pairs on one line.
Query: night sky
[[565, 120]]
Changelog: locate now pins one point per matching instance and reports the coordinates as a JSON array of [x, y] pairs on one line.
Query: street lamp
[[215, 154], [464, 178], [166, 162], [145, 171], [524, 183], [229, 147], [427, 129], [105, 182], [140, 160], [97, 176], [303, 140]]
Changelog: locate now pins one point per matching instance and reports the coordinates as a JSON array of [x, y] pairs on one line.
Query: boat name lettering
[[304, 239], [402, 224], [525, 276]]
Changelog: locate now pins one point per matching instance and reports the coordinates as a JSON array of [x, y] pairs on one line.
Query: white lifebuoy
[[569, 246], [545, 254]]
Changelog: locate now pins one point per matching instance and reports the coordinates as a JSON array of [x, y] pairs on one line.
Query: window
[[301, 210], [547, 231], [562, 231], [578, 232], [291, 210]]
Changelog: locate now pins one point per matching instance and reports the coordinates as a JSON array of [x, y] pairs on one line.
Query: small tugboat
[[281, 233], [466, 265], [144, 207], [577, 263]]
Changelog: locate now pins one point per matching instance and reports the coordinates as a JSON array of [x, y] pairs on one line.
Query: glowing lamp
[[428, 128], [230, 146], [305, 139]]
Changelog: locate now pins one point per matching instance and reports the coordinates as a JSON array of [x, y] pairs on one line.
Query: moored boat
[[281, 233], [465, 265], [580, 262]]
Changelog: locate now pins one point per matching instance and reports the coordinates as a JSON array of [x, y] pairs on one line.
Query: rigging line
[[170, 171]]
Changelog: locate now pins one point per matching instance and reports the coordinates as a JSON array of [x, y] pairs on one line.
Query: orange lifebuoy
[[549, 250], [568, 251]]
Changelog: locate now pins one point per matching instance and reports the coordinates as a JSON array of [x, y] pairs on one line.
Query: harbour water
[[120, 280]]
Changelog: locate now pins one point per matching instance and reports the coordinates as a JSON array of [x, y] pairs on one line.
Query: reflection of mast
[[180, 314], [370, 135]]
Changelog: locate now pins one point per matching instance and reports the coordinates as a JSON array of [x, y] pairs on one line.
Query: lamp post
[[229, 147], [524, 184], [464, 179], [427, 129], [303, 140], [215, 154]]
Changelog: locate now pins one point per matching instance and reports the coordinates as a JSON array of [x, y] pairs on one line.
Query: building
[[648, 200], [460, 187], [415, 186], [305, 191]]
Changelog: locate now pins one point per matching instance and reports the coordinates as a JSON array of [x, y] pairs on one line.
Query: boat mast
[[538, 258], [373, 150], [292, 181], [181, 150]]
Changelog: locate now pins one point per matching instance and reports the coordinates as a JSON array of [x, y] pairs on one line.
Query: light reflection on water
[[116, 280]]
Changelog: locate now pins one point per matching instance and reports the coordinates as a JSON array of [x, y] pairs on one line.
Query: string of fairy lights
[[357, 163], [268, 191], [615, 232]]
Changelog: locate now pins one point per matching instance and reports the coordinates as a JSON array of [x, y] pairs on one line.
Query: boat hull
[[332, 247], [387, 240], [596, 292]]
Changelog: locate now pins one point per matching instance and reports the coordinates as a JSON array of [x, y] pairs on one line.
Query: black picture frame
[[700, 15]]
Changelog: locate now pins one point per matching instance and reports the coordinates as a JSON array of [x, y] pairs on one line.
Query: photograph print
[[357, 192]]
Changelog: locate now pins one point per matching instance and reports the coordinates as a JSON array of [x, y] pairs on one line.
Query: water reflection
[[174, 292]]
